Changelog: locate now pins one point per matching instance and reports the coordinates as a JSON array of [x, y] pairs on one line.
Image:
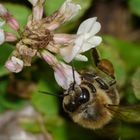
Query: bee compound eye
[[84, 97]]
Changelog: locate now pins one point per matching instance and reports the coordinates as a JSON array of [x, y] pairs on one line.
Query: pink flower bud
[[14, 64], [49, 58], [10, 37], [64, 38], [9, 18], [37, 12], [37, 8], [12, 22]]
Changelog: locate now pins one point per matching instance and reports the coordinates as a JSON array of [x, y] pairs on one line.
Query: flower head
[[39, 39], [84, 41]]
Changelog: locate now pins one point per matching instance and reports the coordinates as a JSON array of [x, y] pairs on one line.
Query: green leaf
[[129, 52], [3, 71], [52, 5], [45, 104], [127, 132], [5, 101], [57, 129], [30, 124], [5, 50], [134, 6], [136, 83], [49, 106]]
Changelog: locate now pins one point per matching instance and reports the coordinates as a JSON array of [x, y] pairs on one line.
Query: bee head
[[74, 97]]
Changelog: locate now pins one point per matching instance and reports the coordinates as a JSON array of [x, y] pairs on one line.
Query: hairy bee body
[[85, 103], [94, 102]]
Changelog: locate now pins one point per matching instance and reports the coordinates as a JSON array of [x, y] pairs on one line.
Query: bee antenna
[[96, 57], [74, 81], [57, 95]]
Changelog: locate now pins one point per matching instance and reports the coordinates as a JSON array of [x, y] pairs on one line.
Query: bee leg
[[112, 82], [102, 84]]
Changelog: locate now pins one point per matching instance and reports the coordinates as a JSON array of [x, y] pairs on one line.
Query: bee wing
[[125, 113]]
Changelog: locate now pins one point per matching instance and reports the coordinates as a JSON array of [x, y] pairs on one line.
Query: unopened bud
[[14, 64], [10, 37], [13, 23]]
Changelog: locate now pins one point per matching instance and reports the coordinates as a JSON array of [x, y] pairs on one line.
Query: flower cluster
[[38, 39]]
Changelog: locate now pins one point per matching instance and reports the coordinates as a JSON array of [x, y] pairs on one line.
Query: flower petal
[[37, 9], [12, 22], [49, 58], [64, 75], [68, 53], [2, 36], [3, 10], [90, 43], [63, 38], [33, 2], [80, 57], [69, 10], [10, 37], [2, 23], [89, 26]]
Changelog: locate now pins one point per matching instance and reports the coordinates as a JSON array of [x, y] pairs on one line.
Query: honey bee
[[95, 102]]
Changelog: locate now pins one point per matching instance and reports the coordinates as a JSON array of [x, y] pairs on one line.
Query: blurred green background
[[120, 20]]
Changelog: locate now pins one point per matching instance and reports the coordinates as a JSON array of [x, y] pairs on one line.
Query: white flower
[[2, 36], [33, 2], [69, 10], [3, 10], [66, 12], [14, 64], [85, 40], [2, 33], [64, 75]]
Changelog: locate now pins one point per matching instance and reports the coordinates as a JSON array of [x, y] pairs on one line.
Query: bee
[[95, 102]]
